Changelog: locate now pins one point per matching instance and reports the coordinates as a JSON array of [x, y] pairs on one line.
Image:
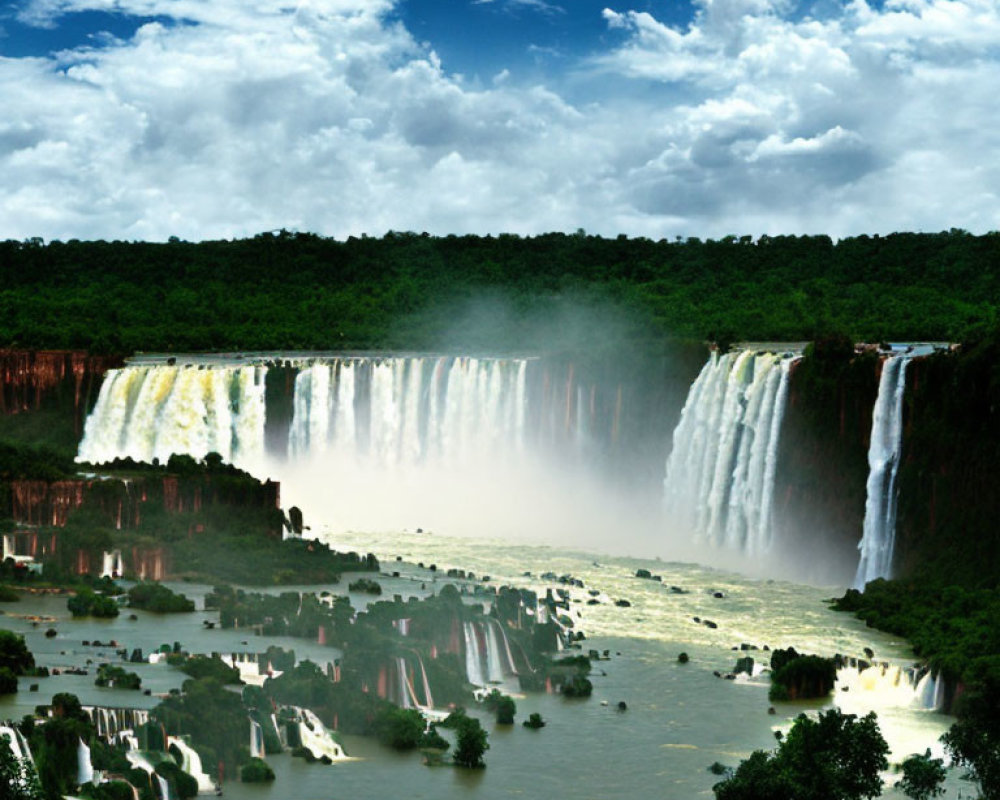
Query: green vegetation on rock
[[151, 596]]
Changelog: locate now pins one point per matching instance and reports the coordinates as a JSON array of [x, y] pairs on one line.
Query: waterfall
[[930, 692], [85, 769], [428, 697], [164, 787], [316, 738], [397, 411], [505, 654], [720, 473], [890, 686], [256, 740], [111, 721], [191, 764], [154, 411], [487, 653], [473, 659], [112, 565], [878, 540], [494, 665], [406, 699], [17, 743]]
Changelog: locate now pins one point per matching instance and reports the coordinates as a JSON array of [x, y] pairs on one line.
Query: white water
[[152, 412], [720, 473], [891, 685], [164, 787], [317, 738], [878, 541], [394, 412], [473, 661], [256, 740], [111, 721], [17, 743], [85, 769], [191, 764], [112, 565]]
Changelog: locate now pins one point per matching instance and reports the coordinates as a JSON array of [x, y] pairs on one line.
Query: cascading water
[[487, 653], [191, 764], [473, 660], [256, 740], [85, 769], [720, 473], [401, 411], [164, 787], [428, 697], [891, 686], [154, 411], [878, 541]]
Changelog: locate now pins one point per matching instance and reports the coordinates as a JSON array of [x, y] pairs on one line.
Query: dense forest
[[414, 291]]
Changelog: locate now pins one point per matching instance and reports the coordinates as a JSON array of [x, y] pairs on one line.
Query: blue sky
[[143, 119]]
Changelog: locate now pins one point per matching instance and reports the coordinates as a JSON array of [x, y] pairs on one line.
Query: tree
[[18, 780], [14, 653], [8, 681], [471, 743], [922, 777], [834, 757], [401, 728], [974, 741]]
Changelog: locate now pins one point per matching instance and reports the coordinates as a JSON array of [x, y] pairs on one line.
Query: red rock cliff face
[[121, 502], [43, 503], [30, 380]]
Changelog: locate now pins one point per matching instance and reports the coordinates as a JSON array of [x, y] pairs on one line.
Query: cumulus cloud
[[229, 117]]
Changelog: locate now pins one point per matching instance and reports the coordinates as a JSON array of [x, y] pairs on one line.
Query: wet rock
[[718, 595], [622, 705], [50, 633], [744, 664], [622, 603], [683, 658], [709, 624]]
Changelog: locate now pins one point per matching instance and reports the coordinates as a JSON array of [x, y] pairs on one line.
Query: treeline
[[414, 291]]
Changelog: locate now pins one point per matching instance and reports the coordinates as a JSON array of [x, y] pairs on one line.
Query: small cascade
[[84, 767], [505, 654], [930, 692], [878, 541], [164, 787], [494, 665], [153, 411], [488, 658], [890, 686], [191, 764], [256, 739], [316, 738], [473, 657], [112, 565], [720, 473], [404, 690], [17, 743], [428, 697], [111, 721]]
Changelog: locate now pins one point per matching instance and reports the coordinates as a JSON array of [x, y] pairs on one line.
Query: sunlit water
[[680, 718]]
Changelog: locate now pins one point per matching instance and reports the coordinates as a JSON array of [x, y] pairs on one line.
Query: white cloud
[[328, 116]]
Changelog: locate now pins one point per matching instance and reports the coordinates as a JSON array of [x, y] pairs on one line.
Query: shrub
[[257, 771]]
